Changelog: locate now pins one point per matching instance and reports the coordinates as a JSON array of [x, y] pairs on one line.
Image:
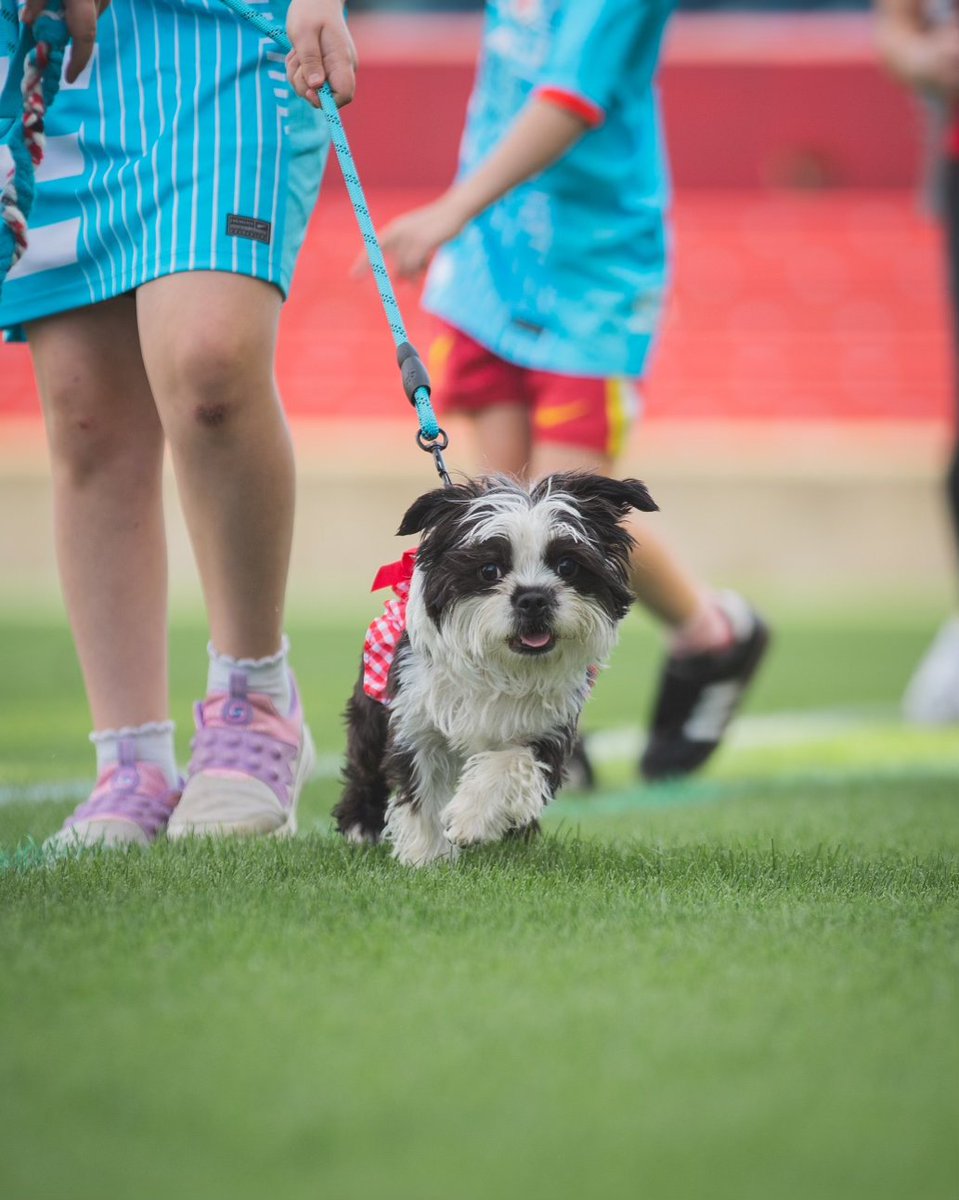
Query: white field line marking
[[605, 746], [771, 730]]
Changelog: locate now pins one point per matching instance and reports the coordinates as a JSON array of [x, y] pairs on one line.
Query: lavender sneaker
[[130, 805], [248, 767]]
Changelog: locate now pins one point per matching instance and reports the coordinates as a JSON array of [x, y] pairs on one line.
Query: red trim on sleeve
[[572, 102]]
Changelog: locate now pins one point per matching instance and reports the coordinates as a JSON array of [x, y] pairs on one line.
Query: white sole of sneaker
[[108, 833], [304, 773]]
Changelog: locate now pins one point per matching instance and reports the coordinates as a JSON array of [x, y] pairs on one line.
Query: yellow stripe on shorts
[[620, 411], [438, 355]]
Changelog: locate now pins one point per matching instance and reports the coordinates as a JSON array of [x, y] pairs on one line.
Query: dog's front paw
[[470, 821], [417, 837]]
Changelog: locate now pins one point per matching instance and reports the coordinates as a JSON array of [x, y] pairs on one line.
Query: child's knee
[[210, 382], [87, 439]]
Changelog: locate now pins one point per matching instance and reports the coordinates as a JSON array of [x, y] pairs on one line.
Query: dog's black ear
[[626, 494], [430, 509], [425, 511], [620, 494]]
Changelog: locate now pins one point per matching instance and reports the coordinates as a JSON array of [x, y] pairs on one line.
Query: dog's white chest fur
[[474, 709]]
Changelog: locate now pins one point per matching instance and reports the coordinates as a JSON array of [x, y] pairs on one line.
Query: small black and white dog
[[515, 599]]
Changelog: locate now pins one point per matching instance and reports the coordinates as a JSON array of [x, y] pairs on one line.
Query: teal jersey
[[567, 272], [181, 147]]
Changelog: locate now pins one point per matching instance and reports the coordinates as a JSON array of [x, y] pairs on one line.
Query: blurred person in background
[[548, 282], [919, 41]]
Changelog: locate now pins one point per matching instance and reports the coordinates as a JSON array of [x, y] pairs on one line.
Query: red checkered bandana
[[383, 635]]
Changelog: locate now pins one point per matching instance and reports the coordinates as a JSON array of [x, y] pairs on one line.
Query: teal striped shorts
[[181, 147]]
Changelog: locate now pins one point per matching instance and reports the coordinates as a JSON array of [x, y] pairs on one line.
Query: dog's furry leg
[[498, 790], [553, 754], [361, 813], [503, 792], [423, 782]]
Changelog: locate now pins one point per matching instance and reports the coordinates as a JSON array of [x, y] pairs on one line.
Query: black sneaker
[[699, 695]]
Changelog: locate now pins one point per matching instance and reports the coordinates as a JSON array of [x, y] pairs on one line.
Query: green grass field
[[743, 986]]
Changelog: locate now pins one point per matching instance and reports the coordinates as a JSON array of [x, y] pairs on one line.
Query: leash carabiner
[[436, 446]]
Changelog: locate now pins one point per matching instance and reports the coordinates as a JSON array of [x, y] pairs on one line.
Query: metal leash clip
[[436, 446]]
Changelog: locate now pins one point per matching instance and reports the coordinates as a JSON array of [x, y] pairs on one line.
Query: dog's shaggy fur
[[516, 596]]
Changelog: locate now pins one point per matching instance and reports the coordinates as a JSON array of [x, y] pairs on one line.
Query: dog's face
[[509, 575]]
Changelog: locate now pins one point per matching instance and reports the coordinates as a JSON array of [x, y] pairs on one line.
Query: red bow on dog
[[390, 574]]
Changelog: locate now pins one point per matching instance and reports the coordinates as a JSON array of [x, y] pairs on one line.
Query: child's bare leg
[[661, 582], [208, 343], [106, 449], [504, 439]]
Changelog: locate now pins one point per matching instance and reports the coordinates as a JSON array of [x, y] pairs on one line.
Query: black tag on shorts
[[248, 227], [528, 326]]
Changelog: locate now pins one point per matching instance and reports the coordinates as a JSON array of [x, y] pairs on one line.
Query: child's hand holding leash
[[81, 17], [323, 51]]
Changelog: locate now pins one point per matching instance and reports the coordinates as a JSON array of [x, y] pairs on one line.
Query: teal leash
[[416, 380]]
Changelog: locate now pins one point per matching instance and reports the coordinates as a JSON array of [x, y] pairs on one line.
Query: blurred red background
[[808, 283]]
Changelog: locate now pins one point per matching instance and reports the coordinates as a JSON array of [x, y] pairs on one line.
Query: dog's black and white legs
[[499, 791], [393, 792], [505, 791], [423, 780]]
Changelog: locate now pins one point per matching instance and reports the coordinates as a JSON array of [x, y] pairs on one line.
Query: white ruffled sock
[[154, 744], [270, 676]]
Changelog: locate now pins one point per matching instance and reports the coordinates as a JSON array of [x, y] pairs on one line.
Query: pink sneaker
[[248, 767], [130, 805]]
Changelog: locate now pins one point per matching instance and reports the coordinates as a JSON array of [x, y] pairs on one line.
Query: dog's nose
[[532, 602]]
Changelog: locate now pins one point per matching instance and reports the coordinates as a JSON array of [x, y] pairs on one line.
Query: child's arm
[[592, 44], [541, 133], [924, 56]]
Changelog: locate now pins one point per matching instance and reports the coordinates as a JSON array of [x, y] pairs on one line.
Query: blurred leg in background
[[932, 697], [920, 44]]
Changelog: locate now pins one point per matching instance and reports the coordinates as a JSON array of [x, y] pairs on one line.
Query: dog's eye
[[567, 567], [490, 572]]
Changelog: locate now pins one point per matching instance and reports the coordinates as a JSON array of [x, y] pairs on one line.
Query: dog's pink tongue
[[535, 641]]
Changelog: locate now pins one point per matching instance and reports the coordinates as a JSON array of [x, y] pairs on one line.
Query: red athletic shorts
[[571, 410]]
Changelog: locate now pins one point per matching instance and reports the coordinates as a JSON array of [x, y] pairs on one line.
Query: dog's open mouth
[[533, 643]]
